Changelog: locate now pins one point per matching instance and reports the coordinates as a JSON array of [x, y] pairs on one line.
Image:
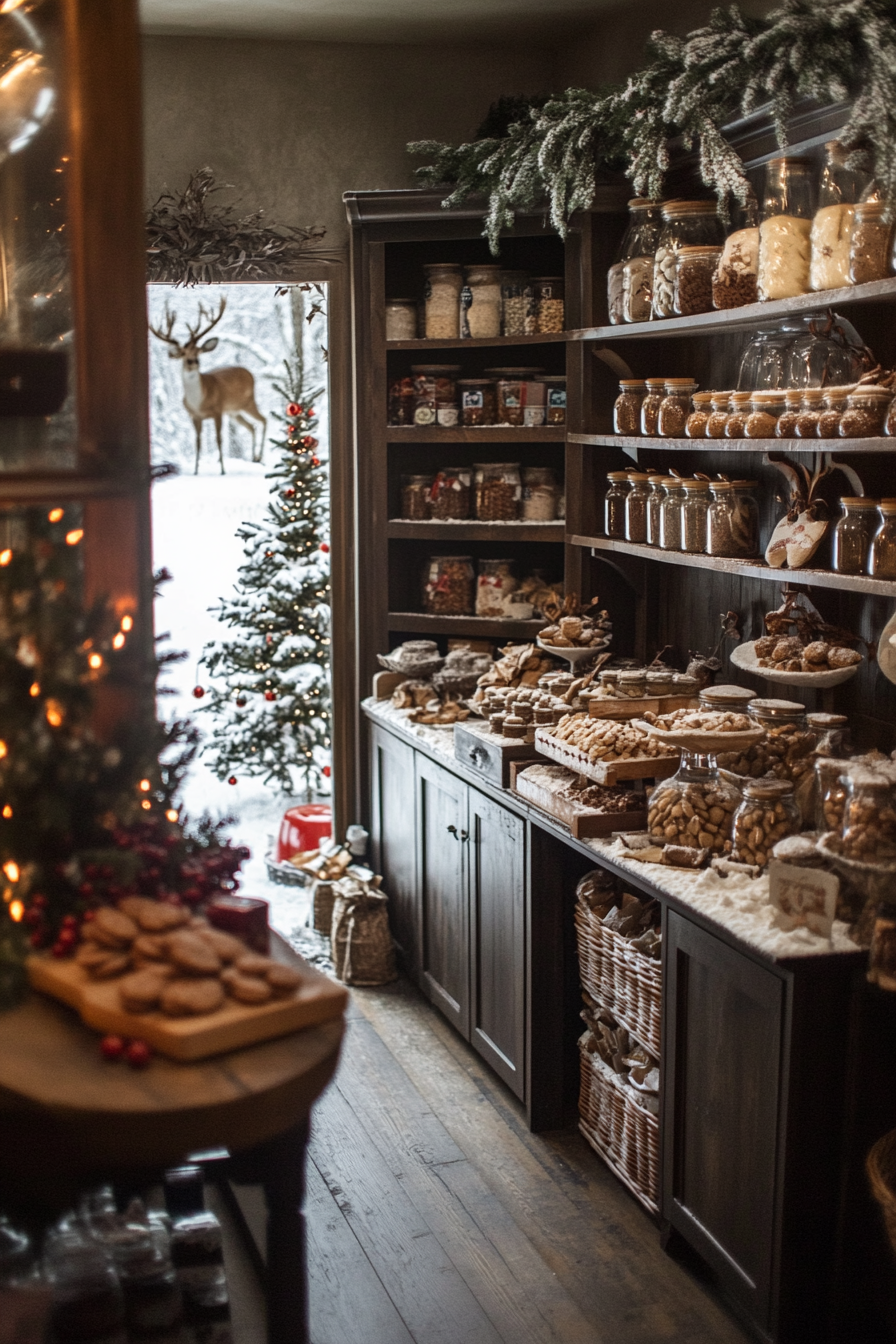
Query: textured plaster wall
[[295, 124]]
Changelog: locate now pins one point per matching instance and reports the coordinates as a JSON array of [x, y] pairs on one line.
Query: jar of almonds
[[695, 807], [869, 818], [768, 813]]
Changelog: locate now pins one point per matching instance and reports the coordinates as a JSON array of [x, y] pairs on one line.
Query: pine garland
[[825, 50]]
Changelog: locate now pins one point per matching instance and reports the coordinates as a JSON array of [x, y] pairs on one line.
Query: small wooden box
[[583, 822], [636, 709], [605, 772], [489, 753]]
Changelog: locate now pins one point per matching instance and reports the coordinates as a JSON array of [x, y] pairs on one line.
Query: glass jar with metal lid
[[637, 268], [718, 417], [654, 505], [694, 808], [768, 813], [442, 286], [869, 818], [554, 397], [674, 407], [614, 504], [784, 233], [732, 522], [732, 698], [852, 535], [498, 489], [882, 555], [451, 493], [694, 510], [636, 242], [650, 406], [765, 407], [866, 412], [786, 749], [838, 191], [480, 302], [869, 246], [627, 406], [401, 319], [734, 281], [670, 514], [695, 265], [695, 425], [518, 394], [684, 223], [478, 401], [738, 413], [833, 404], [636, 506]]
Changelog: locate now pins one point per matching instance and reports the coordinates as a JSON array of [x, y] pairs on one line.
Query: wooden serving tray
[[634, 709], [583, 822], [605, 772], [490, 753], [318, 999]]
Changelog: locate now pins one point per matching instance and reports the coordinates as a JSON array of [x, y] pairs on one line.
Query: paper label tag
[[803, 896]]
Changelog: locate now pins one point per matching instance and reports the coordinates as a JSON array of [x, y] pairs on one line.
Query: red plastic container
[[303, 828]]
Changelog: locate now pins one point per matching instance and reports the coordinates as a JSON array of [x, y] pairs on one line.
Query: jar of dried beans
[[695, 425], [448, 585], [767, 814], [433, 384], [480, 302], [520, 398], [784, 246], [718, 419], [882, 556], [636, 506], [450, 494], [735, 280], [670, 514], [441, 290], [498, 490], [513, 302], [415, 497], [539, 504], [738, 412], [832, 225], [786, 426], [638, 244], [549, 303], [650, 405], [673, 412], [809, 412], [694, 512], [401, 319], [614, 504], [627, 407], [695, 265], [866, 412], [685, 223], [478, 401], [554, 397], [869, 246], [852, 535], [765, 407]]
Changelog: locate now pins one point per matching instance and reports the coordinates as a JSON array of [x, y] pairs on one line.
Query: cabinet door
[[496, 857], [721, 1069], [444, 943], [394, 838]]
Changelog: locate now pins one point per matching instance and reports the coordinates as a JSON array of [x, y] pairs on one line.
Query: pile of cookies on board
[[171, 960]]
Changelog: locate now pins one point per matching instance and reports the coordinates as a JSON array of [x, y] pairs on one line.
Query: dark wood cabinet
[[442, 835], [394, 834]]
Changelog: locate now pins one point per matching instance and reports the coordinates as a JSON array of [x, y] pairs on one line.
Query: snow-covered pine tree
[[269, 685]]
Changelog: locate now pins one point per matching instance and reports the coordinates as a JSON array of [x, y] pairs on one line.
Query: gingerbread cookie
[[141, 992], [192, 997], [283, 979], [149, 947], [111, 928], [192, 954], [227, 946], [157, 917], [252, 963], [246, 988]]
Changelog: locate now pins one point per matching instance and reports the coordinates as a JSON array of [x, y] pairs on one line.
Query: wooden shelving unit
[[485, 434], [629, 442], [402, 528], [479, 343], [422, 623]]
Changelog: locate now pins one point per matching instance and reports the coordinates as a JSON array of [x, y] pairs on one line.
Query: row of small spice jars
[[477, 302], [695, 515], [489, 491], [451, 587], [675, 261], [434, 395], [864, 539]]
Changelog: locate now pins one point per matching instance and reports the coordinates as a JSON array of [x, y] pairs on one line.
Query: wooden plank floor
[[435, 1217]]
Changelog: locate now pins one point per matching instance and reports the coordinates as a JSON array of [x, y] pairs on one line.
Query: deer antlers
[[196, 333]]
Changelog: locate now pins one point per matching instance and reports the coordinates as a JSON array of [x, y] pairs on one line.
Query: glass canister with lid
[[636, 502], [442, 286], [735, 280], [694, 808], [695, 265], [695, 425], [694, 510], [478, 401], [830, 793], [765, 408], [718, 419], [448, 585], [882, 555], [786, 749], [786, 426], [809, 413], [768, 813], [869, 246], [655, 481], [685, 223], [650, 405], [833, 404], [869, 818], [738, 413], [401, 319], [784, 233], [627, 407], [480, 302], [852, 534], [674, 408], [614, 504], [539, 500], [633, 244], [415, 497], [513, 302], [732, 521], [451, 494], [866, 412], [670, 514], [733, 699], [520, 398], [637, 268], [498, 489], [494, 584], [832, 224], [548, 291]]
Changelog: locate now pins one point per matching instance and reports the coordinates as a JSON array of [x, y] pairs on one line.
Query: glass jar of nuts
[[498, 490], [767, 814], [694, 808], [448, 585], [869, 818]]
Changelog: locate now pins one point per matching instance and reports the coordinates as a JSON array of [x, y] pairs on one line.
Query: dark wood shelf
[[479, 343], [398, 528], [751, 315], [751, 569], [421, 622], [790, 446], [484, 434]]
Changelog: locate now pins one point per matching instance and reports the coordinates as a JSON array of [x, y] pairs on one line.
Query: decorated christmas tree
[[269, 685]]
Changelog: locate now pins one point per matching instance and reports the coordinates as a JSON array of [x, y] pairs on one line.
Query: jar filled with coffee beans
[[614, 504], [448, 585], [767, 814], [627, 406]]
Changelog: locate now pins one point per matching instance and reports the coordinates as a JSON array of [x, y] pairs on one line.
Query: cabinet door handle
[[452, 830]]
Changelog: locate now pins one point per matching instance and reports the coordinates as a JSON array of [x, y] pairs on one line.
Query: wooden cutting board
[[318, 999]]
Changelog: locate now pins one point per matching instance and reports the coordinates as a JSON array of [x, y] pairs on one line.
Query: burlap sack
[[360, 942]]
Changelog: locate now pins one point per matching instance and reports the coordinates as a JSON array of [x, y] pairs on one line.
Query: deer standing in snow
[[209, 396]]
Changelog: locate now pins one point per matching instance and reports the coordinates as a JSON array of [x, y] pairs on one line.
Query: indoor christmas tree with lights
[[269, 685]]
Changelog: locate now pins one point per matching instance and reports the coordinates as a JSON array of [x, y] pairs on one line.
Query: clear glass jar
[[539, 503], [695, 266], [632, 683], [627, 407], [401, 319], [784, 233], [655, 480], [614, 504], [833, 404], [554, 397], [767, 814], [441, 291], [820, 353], [451, 496], [402, 401], [732, 527], [638, 240], [746, 515], [650, 406], [520, 398], [869, 246], [549, 304], [513, 302], [448, 409], [695, 425], [637, 267], [735, 699], [670, 514], [495, 583], [882, 555], [480, 302], [684, 223], [832, 224], [765, 407], [869, 818], [786, 426], [809, 413], [738, 414], [831, 733], [448, 585], [433, 384], [866, 412], [735, 280], [415, 497], [498, 490], [672, 415], [786, 749], [764, 363], [694, 808], [478, 401], [87, 1303], [636, 506], [694, 510], [718, 419], [852, 535], [830, 793]]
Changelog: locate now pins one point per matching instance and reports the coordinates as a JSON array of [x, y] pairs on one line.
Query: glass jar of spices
[[498, 490], [478, 401], [401, 319], [718, 419], [627, 407], [852, 535], [614, 504], [650, 405], [685, 223], [415, 497], [480, 303], [695, 425], [809, 412], [695, 265], [549, 303], [441, 290], [539, 502], [735, 280], [786, 426], [673, 411], [451, 494], [636, 506], [738, 413], [694, 512], [869, 246], [832, 224], [732, 521], [765, 407], [448, 585], [670, 514], [784, 246], [513, 302], [833, 404], [554, 397], [882, 555], [654, 506], [866, 412]]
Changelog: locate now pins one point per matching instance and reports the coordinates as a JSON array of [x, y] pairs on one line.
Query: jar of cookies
[[673, 409], [694, 510], [767, 814], [627, 406], [441, 289], [786, 749], [695, 425], [415, 497], [670, 514], [650, 405], [614, 504], [869, 818], [451, 495], [693, 809], [448, 585], [478, 401], [852, 534], [498, 491], [830, 793], [636, 506]]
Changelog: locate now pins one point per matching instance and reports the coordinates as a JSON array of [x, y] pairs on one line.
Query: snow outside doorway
[[196, 517]]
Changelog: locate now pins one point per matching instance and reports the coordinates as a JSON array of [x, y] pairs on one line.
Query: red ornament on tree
[[270, 695], [327, 771], [293, 408], [325, 548], [309, 441], [232, 779], [315, 461], [198, 692], [288, 494], [241, 704]]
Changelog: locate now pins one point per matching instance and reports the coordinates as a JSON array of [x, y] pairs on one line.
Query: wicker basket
[[625, 1135], [881, 1168], [621, 978]]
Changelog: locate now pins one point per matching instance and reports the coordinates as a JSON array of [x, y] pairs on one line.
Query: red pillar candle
[[243, 916]]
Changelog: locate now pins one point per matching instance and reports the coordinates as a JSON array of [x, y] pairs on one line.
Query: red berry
[[40, 901], [310, 412], [36, 939], [60, 949], [232, 779], [270, 695], [327, 771], [32, 916], [85, 889], [67, 937], [198, 692], [69, 921], [325, 548], [241, 704], [138, 1054], [112, 1047], [88, 916]]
